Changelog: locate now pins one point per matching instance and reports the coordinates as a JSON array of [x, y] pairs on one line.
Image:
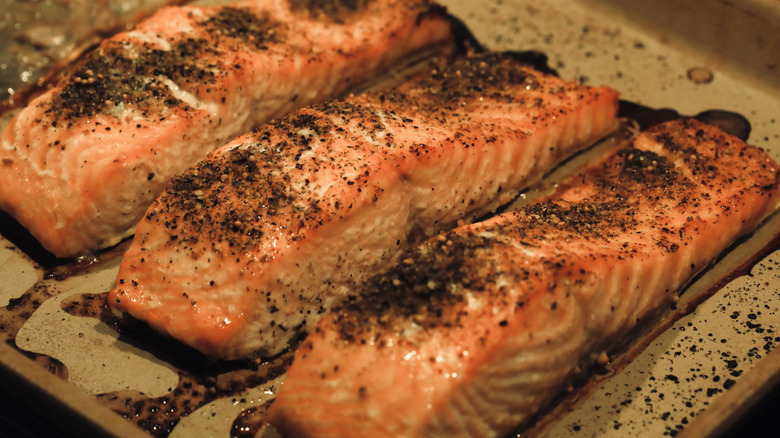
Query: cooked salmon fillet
[[247, 249], [479, 327], [81, 164]]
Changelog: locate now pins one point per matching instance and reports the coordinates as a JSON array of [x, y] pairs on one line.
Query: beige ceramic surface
[[96, 360], [647, 54]]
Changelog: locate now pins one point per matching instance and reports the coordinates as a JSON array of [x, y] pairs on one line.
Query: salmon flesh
[[477, 328], [81, 164], [245, 251]]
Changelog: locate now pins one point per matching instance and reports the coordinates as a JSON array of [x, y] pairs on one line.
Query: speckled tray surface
[[692, 374]]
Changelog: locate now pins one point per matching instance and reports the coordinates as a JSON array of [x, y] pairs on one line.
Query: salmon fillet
[[479, 327], [81, 164], [247, 249]]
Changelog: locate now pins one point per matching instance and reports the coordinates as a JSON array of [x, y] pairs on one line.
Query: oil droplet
[[700, 75]]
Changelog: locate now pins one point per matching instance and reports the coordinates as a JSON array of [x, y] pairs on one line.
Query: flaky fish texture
[[244, 252], [80, 165], [476, 329]]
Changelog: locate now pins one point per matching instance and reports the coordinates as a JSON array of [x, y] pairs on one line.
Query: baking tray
[[696, 372]]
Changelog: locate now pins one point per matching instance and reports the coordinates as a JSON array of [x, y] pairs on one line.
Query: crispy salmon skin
[[478, 328], [244, 252], [81, 164]]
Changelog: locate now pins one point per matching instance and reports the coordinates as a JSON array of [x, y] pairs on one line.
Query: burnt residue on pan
[[734, 123], [250, 421], [17, 312], [22, 239], [201, 380], [159, 415], [52, 266]]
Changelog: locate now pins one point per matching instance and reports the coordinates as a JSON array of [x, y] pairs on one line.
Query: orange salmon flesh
[[81, 164], [244, 252], [478, 328]]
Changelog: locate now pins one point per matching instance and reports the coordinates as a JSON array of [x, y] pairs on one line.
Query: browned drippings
[[49, 364], [159, 415], [249, 422], [16, 313], [731, 122], [71, 268], [19, 310], [54, 267], [22, 239], [201, 380], [734, 123]]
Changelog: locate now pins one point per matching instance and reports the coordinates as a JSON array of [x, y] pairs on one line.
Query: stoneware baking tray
[[70, 367]]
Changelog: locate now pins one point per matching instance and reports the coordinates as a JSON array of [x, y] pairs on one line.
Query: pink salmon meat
[[81, 164], [246, 250], [477, 328]]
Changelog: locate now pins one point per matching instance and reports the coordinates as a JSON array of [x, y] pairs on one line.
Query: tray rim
[[57, 400]]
